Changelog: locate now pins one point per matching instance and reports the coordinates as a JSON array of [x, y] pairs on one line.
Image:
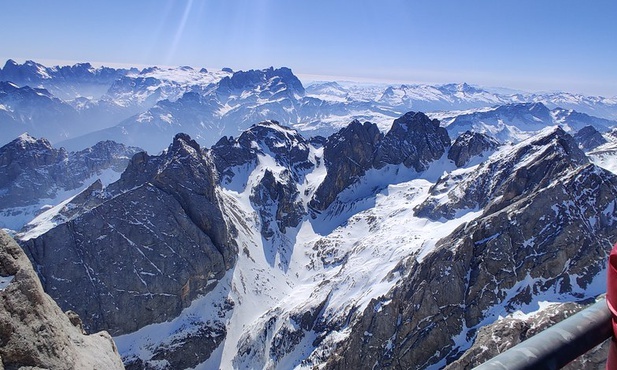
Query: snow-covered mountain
[[33, 175], [365, 249], [515, 122], [65, 82], [390, 240], [148, 107]]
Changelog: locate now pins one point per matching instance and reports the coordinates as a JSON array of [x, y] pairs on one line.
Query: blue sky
[[534, 45]]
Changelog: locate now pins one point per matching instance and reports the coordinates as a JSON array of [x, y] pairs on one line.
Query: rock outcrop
[[143, 248], [414, 141], [470, 144], [35, 332]]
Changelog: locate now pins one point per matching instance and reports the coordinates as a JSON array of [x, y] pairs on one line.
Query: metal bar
[[555, 347]]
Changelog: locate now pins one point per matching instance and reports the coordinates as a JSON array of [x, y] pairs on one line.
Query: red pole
[[611, 300]]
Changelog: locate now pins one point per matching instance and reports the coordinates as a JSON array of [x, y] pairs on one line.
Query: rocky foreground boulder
[[34, 332]]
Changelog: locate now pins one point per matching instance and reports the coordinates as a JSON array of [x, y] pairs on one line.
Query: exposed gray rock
[[144, 248], [494, 265], [35, 332], [497, 183], [278, 201], [589, 138], [348, 154], [413, 140], [468, 145]]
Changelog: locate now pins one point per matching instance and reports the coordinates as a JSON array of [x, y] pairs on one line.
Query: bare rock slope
[[34, 332]]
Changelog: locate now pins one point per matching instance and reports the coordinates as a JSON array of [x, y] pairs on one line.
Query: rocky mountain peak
[[413, 140], [35, 73], [27, 152], [529, 166], [30, 71], [10, 63], [589, 138], [174, 214], [348, 154], [275, 80], [183, 145], [470, 144], [25, 143], [463, 88]]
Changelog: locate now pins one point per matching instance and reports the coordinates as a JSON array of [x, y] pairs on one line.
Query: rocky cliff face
[[153, 241], [35, 332], [348, 154], [414, 141], [512, 254]]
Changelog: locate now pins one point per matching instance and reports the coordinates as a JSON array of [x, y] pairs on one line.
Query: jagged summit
[[25, 142], [280, 77], [414, 141]]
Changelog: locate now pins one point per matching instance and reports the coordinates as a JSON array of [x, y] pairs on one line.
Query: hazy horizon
[[523, 45]]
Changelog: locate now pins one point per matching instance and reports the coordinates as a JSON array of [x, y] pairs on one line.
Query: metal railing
[[558, 345]]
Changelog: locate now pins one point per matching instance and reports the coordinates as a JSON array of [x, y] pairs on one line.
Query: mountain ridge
[[152, 103], [298, 285]]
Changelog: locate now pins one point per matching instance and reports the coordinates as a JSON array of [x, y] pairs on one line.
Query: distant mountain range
[[79, 105]]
